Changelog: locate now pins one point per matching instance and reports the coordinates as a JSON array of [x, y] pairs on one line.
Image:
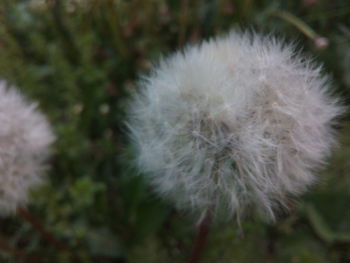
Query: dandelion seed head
[[235, 123], [25, 137]]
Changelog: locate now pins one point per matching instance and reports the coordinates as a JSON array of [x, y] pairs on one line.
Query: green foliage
[[80, 60]]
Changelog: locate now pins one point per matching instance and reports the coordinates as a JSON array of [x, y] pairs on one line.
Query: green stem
[[319, 41], [297, 22], [183, 22]]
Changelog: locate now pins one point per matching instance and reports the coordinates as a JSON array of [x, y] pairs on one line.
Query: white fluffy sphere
[[25, 136], [242, 121]]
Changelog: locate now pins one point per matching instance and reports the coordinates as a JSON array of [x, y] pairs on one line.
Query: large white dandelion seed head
[[242, 121], [25, 137]]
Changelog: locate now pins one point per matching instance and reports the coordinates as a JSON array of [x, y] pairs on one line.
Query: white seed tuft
[[241, 121], [25, 136]]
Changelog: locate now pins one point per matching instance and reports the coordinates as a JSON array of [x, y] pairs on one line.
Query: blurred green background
[[80, 60]]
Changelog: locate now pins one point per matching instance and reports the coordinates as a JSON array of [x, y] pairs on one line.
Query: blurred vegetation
[[80, 60]]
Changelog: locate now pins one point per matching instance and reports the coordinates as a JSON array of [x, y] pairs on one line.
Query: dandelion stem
[[201, 239], [35, 223], [7, 248]]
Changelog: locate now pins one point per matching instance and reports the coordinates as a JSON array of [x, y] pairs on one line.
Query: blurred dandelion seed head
[[242, 121], [25, 137]]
